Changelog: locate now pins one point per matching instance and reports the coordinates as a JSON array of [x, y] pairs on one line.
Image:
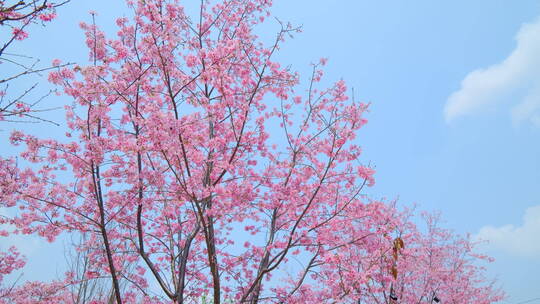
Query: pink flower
[[47, 17], [19, 34]]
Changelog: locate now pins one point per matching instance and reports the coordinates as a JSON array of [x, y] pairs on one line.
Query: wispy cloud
[[517, 73], [516, 240]]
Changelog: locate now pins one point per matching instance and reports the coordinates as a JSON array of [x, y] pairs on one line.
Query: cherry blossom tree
[[195, 165], [435, 266], [173, 153]]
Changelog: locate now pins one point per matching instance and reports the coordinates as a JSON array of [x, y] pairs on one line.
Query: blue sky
[[454, 125]]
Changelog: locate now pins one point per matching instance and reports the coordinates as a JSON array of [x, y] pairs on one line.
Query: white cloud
[[519, 72], [521, 240]]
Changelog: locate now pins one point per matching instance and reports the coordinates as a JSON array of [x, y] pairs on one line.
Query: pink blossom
[[19, 34]]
